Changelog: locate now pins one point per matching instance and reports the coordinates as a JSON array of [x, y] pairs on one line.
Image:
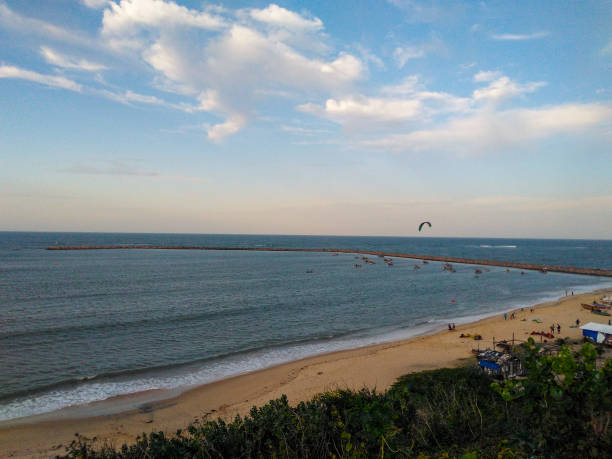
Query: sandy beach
[[375, 366]]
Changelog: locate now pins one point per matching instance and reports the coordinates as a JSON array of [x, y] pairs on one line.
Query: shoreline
[[120, 402], [372, 366]]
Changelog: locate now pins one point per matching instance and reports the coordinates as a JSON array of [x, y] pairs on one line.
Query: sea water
[[83, 326]]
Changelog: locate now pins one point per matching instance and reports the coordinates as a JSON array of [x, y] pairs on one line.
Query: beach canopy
[[594, 326], [597, 332]]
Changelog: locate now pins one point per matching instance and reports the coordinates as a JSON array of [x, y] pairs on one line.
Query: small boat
[[601, 306], [425, 262], [600, 312], [478, 271], [607, 300], [416, 267], [357, 266], [594, 307], [309, 271]]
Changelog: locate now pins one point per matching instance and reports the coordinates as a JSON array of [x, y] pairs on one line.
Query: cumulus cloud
[[281, 17], [60, 60], [225, 61], [520, 37], [502, 87], [235, 62], [128, 16], [8, 71]]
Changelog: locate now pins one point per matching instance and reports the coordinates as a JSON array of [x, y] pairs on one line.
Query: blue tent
[[486, 364]]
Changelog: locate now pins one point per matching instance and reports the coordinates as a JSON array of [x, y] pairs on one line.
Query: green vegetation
[[561, 410]]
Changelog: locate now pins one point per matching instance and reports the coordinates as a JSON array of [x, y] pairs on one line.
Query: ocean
[[82, 326]]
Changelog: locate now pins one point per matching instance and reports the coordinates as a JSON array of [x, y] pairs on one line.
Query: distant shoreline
[[470, 261]]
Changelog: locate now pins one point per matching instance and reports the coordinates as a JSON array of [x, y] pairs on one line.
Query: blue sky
[[357, 117]]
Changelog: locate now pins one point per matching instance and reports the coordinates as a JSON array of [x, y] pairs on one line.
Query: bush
[[443, 413]]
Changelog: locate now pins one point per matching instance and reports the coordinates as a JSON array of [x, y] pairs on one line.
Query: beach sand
[[376, 366]]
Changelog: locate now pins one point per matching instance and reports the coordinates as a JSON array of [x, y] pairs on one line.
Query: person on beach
[[558, 328], [505, 316], [577, 322], [552, 328], [449, 327]]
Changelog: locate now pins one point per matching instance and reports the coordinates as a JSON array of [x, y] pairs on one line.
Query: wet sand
[[376, 366]]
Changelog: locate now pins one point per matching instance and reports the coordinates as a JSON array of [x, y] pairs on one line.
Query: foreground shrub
[[442, 413]]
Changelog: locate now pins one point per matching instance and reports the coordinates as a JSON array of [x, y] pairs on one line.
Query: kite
[[424, 223]]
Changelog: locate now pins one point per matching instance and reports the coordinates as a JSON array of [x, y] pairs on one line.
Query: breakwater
[[470, 261]]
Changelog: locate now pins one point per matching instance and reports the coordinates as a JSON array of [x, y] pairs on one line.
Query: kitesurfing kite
[[424, 223]]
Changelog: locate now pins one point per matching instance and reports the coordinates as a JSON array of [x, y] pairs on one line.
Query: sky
[[489, 119]]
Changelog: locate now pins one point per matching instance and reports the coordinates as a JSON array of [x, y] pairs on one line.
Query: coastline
[[374, 366]]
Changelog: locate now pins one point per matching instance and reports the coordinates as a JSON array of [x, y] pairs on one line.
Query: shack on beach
[[599, 333], [500, 364]]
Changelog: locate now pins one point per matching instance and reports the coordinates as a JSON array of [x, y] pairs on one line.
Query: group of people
[[552, 328], [451, 326], [512, 316]]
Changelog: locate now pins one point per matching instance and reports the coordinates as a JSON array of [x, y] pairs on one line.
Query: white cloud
[[226, 61], [233, 124], [55, 58], [520, 37], [236, 63], [25, 25], [370, 109], [127, 16], [281, 17], [95, 3], [241, 63], [494, 131], [403, 55], [130, 97], [7, 71], [407, 101], [502, 88], [486, 76]]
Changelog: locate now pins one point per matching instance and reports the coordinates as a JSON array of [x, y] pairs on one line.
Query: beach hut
[[599, 333]]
